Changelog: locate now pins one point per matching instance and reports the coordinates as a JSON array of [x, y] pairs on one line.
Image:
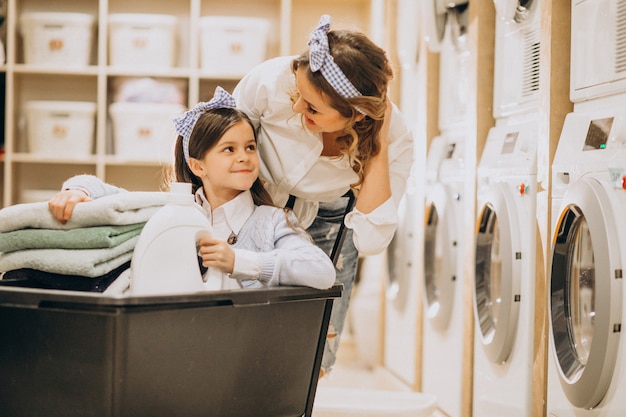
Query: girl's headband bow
[[184, 124]]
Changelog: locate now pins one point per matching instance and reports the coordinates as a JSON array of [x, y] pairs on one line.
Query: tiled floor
[[351, 372]]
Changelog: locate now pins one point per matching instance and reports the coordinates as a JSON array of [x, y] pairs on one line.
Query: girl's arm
[[295, 259]]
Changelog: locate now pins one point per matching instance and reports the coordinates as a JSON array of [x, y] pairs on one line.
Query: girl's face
[[318, 115], [230, 167]]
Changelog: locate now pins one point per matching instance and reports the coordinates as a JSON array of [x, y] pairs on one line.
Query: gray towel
[[81, 238], [116, 209], [84, 262]]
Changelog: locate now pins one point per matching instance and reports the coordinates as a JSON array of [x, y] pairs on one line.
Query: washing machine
[[401, 292], [587, 358], [505, 246], [598, 67], [517, 50], [442, 348]]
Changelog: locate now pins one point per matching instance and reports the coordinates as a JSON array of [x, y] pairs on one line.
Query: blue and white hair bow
[[321, 60], [184, 124]]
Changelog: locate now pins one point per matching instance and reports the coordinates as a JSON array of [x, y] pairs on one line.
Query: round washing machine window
[[399, 266], [515, 10], [497, 274], [435, 17], [585, 293], [440, 257]]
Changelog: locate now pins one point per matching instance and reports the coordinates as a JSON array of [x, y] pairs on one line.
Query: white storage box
[[144, 131], [57, 39], [231, 46], [142, 40], [60, 128]]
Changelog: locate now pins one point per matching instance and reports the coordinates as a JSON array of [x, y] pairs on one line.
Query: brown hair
[[207, 131], [368, 69]]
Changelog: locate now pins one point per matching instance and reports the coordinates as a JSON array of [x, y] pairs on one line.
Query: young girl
[[254, 243]]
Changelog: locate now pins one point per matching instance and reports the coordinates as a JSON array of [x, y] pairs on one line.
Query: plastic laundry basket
[[236, 353]]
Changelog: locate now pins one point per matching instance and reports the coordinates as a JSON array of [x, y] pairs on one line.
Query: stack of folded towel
[[97, 242]]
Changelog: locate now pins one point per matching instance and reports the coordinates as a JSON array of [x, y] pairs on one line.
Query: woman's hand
[[216, 254], [384, 130], [62, 204], [376, 187]]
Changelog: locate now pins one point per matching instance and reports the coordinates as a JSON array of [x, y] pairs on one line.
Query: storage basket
[[57, 39], [231, 46], [60, 128], [144, 131], [142, 40]]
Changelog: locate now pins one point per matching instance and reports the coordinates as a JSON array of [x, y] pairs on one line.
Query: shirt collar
[[235, 212]]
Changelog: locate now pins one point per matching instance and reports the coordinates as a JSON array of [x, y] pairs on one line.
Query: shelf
[[290, 21]]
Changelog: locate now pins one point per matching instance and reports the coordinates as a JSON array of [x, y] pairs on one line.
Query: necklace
[[232, 239]]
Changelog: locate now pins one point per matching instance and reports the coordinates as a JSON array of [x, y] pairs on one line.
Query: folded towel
[[81, 238], [83, 262], [32, 278], [116, 209]]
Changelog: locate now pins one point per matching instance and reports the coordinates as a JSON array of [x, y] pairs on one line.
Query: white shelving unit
[[291, 21]]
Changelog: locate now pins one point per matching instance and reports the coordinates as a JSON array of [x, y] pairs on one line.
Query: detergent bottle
[[165, 259]]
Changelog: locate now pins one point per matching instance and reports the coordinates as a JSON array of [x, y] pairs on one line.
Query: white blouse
[[291, 161]]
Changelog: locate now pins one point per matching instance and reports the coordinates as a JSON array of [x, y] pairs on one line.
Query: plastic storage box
[[234, 353], [231, 46], [144, 131], [60, 128], [142, 40], [57, 39]]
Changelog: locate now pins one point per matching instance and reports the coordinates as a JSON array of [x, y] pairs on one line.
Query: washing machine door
[[440, 255], [435, 15], [515, 10], [497, 278], [586, 293], [399, 261]]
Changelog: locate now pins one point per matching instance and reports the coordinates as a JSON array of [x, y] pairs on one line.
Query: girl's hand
[[216, 254], [62, 204]]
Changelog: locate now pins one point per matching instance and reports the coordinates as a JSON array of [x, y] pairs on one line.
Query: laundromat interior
[[501, 293]]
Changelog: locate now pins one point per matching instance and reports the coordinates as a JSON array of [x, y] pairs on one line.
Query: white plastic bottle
[[165, 257]]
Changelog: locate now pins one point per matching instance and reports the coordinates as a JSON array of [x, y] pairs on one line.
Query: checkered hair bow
[[184, 124], [321, 60]]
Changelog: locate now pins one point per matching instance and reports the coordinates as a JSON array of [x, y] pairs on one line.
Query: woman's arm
[[375, 217], [78, 189]]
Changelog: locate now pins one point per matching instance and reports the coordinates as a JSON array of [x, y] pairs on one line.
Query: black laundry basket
[[237, 353]]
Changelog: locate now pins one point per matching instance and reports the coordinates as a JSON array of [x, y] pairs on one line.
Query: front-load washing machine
[[442, 354], [587, 359], [402, 291], [517, 50], [598, 67], [505, 251]]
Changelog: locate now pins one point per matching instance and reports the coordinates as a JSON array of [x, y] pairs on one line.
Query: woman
[[348, 137]]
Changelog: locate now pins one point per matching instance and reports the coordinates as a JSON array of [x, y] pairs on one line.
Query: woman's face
[[318, 115], [230, 167]]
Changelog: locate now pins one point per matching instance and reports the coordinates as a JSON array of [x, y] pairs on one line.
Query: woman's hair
[[207, 131], [368, 69]]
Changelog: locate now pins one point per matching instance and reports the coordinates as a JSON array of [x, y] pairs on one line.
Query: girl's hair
[[207, 131], [368, 69]]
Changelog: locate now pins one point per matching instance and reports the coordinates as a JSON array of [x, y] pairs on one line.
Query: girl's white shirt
[[291, 161], [228, 219]]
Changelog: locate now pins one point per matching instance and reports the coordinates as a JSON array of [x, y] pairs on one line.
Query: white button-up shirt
[[291, 161]]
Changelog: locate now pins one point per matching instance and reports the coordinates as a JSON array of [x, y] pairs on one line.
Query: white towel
[[116, 209]]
